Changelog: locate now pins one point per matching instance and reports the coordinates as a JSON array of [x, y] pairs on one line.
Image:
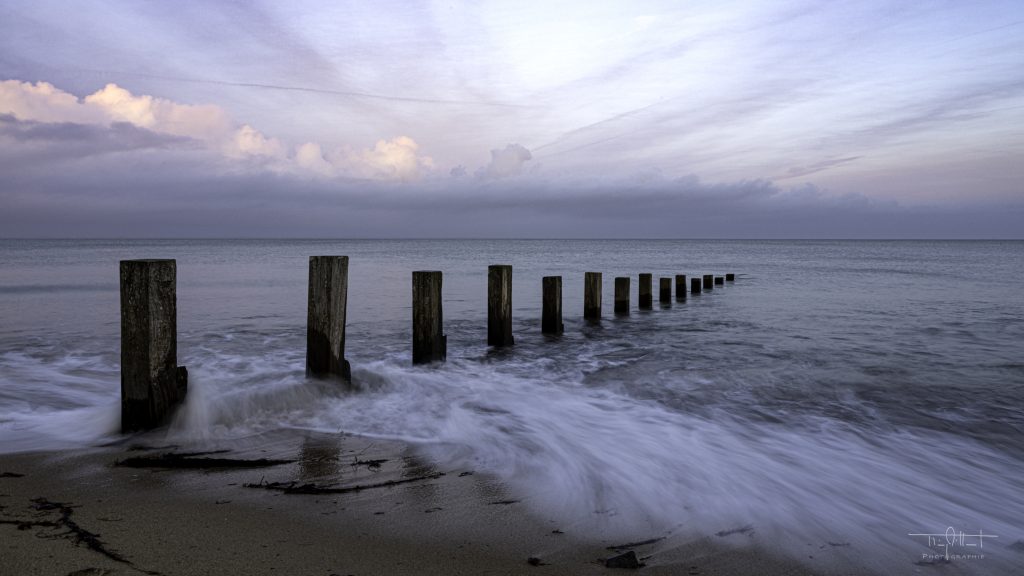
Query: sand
[[79, 513]]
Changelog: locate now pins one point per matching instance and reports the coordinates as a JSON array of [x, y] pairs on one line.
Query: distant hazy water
[[838, 391]]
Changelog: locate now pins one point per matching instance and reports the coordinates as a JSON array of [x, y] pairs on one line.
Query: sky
[[681, 119]]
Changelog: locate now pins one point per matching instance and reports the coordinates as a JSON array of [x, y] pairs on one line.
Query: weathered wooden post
[[499, 305], [719, 281], [551, 316], [152, 383], [325, 318], [622, 295], [592, 295], [665, 290], [680, 287], [694, 285], [709, 280], [429, 344], [730, 277], [645, 298]]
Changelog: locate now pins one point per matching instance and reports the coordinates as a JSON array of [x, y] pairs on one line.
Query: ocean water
[[838, 395]]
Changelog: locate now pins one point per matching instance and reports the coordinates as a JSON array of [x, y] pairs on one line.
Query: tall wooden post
[[709, 280], [152, 383], [429, 344], [622, 295], [551, 316], [719, 281], [694, 285], [499, 305], [592, 295], [665, 290], [645, 297], [325, 318], [730, 277], [680, 287]]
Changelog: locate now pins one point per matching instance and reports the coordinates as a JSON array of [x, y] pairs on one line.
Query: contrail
[[347, 93], [566, 135]]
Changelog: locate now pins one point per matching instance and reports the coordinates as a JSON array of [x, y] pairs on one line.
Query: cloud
[[114, 112], [134, 195], [397, 158], [29, 144], [247, 141], [507, 162], [205, 122], [310, 157]]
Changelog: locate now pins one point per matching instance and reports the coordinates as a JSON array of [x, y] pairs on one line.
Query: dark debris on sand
[[635, 544], [627, 560], [748, 529], [195, 461], [296, 488]]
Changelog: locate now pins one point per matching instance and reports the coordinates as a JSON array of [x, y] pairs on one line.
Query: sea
[[861, 397]]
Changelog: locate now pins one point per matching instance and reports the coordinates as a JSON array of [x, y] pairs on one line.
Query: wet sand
[[390, 512]]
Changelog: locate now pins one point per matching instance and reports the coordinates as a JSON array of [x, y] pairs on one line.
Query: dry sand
[[79, 513]]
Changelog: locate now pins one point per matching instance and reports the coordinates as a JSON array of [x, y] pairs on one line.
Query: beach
[[82, 513]]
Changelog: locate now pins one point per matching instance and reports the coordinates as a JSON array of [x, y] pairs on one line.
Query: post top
[[148, 261], [426, 272], [311, 258]]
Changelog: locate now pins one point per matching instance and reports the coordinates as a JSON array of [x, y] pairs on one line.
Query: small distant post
[[622, 295], [709, 280], [429, 344], [592, 295], [645, 298], [694, 285], [551, 316], [730, 277], [499, 305], [680, 287], [325, 319], [152, 383], [665, 290], [719, 281]]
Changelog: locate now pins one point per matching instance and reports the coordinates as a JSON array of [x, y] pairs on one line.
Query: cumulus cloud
[[42, 102], [397, 158], [247, 141], [206, 122], [310, 158], [507, 162], [114, 108]]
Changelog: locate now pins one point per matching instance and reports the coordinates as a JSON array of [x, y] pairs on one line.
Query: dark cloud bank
[[93, 185]]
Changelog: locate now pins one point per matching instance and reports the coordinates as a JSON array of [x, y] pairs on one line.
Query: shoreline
[[383, 510]]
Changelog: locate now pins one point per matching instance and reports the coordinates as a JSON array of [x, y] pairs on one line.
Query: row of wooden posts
[[152, 383]]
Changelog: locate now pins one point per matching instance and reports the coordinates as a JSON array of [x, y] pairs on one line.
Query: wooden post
[[709, 280], [680, 287], [622, 295], [551, 317], [325, 318], [499, 305], [152, 383], [730, 277], [719, 281], [592, 295], [694, 285], [429, 344], [645, 298], [665, 290]]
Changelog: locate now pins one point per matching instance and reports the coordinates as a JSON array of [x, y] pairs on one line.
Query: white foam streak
[[604, 463]]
